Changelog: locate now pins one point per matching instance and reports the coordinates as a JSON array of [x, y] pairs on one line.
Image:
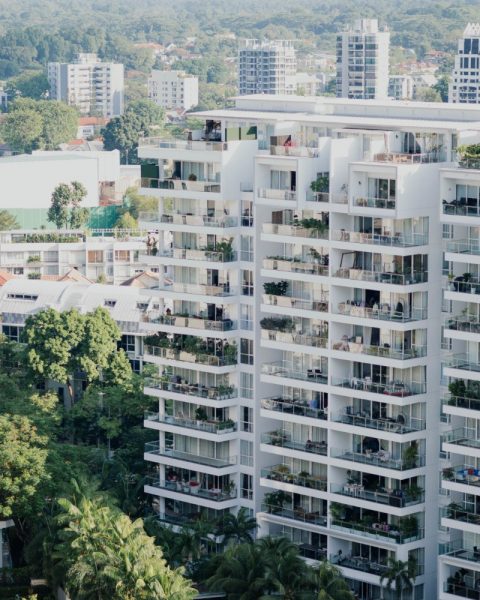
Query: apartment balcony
[[177, 144], [295, 265], [274, 194], [200, 289], [327, 198], [359, 563], [308, 339], [379, 203], [195, 220], [154, 448], [464, 403], [468, 246], [384, 312], [401, 389], [199, 255], [296, 514], [454, 551], [382, 459], [282, 474], [462, 436], [175, 385], [462, 286], [284, 440], [391, 424], [461, 590], [463, 323], [398, 240], [190, 357], [396, 498], [192, 488], [381, 531], [459, 513], [463, 474], [384, 351], [299, 303], [382, 276], [192, 322], [410, 159], [463, 362], [215, 427], [181, 185], [290, 406], [296, 230], [463, 207], [296, 151], [285, 369]]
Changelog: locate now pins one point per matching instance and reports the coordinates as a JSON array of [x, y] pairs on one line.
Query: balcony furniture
[[315, 374]]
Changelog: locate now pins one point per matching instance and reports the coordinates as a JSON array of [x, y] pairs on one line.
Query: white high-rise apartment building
[[173, 89], [401, 87], [362, 61], [94, 87], [298, 339], [267, 67], [465, 84]]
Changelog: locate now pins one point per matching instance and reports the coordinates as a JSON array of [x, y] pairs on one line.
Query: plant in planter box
[[414, 492], [448, 474], [457, 388], [321, 184], [276, 500], [410, 456], [276, 288], [338, 511], [201, 414], [408, 525]]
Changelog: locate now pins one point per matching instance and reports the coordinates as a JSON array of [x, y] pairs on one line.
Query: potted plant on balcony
[[410, 456], [469, 156], [229, 488], [275, 501], [225, 247], [338, 511], [200, 415], [408, 526], [321, 184], [230, 353], [228, 426], [276, 288], [194, 487], [304, 478], [448, 474]]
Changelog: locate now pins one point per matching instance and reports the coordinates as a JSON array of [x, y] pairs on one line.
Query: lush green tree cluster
[[39, 124], [65, 210]]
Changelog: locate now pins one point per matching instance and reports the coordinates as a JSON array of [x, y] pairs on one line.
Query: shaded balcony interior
[[201, 246], [295, 365], [378, 489], [381, 267], [463, 278], [202, 213], [378, 341], [310, 545], [376, 524], [295, 401], [466, 240], [381, 231], [378, 379], [299, 258], [181, 175], [462, 582], [382, 305], [181, 513], [194, 483], [296, 294], [193, 280], [305, 224], [193, 449], [464, 355], [294, 436], [186, 414], [197, 315], [190, 348], [463, 507], [295, 330], [188, 382], [276, 184], [374, 192], [462, 199], [368, 450], [380, 415], [407, 147], [295, 471], [361, 557], [296, 506], [463, 394]]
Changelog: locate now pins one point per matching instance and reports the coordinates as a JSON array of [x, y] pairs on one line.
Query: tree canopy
[[65, 210]]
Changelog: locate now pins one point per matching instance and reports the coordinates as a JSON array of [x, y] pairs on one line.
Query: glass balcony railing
[[174, 144], [296, 302], [381, 351], [461, 402], [274, 194], [382, 458], [464, 362], [391, 388], [197, 220], [286, 369], [201, 255], [463, 207], [181, 185], [382, 313], [191, 321], [472, 286], [189, 357], [326, 197], [295, 230], [359, 563], [367, 202], [464, 246], [282, 473], [200, 289], [218, 427], [297, 514], [463, 514], [406, 158], [382, 276], [208, 461], [463, 323], [216, 494], [284, 440], [391, 424], [398, 240], [301, 339], [200, 390], [398, 498], [295, 265], [299, 407], [462, 590], [378, 531], [462, 436]]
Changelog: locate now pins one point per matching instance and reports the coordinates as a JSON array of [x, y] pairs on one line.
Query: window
[[247, 285], [246, 316], [246, 351], [247, 486], [247, 419], [95, 256], [246, 385], [11, 332], [142, 305], [127, 342], [246, 248], [246, 453], [29, 297], [122, 255], [110, 303]]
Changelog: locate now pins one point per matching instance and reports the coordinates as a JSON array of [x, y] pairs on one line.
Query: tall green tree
[[22, 130], [28, 85], [329, 583], [65, 208], [7, 221], [400, 574], [286, 571], [238, 528]]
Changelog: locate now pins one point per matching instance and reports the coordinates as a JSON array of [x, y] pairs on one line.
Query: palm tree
[[238, 528], [285, 569], [241, 574], [329, 583], [400, 573]]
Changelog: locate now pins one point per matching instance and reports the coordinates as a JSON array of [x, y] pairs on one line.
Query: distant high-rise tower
[[267, 67], [465, 84], [362, 61]]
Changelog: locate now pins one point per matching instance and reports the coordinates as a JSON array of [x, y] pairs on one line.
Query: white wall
[[108, 162]]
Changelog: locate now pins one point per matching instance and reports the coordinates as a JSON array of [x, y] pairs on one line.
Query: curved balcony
[[393, 388], [392, 425], [382, 458], [284, 440], [384, 351], [208, 461], [218, 427], [398, 240], [198, 390], [382, 277], [282, 473], [382, 313], [397, 498], [289, 406]]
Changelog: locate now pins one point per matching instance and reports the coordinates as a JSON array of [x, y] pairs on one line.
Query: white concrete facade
[[267, 67], [173, 89], [333, 297], [363, 61], [93, 86], [465, 85], [401, 87]]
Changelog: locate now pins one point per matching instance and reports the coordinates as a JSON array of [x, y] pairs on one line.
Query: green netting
[[101, 217]]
